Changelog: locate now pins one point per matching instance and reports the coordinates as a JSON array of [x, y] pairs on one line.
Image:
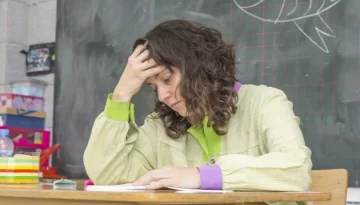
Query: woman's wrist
[[121, 97]]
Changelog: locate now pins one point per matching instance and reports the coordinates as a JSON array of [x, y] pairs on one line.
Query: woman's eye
[[167, 79]]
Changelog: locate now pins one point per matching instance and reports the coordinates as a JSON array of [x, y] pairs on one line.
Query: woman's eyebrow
[[157, 75]]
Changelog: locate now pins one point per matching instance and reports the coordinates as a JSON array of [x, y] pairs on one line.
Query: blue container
[[22, 118]]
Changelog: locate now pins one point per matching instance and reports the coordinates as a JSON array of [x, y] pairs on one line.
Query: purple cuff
[[211, 177], [237, 86]]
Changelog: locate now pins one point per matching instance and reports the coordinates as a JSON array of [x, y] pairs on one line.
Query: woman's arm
[[286, 167], [118, 151]]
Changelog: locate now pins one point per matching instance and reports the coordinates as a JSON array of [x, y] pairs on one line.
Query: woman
[[207, 130]]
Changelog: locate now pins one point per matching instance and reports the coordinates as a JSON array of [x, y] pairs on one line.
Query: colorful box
[[20, 169], [29, 140], [22, 118], [25, 102]]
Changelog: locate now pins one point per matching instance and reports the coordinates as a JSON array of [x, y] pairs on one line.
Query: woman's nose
[[163, 94]]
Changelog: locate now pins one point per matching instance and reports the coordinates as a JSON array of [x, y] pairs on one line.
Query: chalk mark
[[294, 9], [322, 5], [310, 3], [281, 10], [253, 5], [295, 20]]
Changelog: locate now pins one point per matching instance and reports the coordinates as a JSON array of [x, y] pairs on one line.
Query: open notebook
[[130, 188]]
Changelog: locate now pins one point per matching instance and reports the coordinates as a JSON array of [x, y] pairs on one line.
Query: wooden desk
[[46, 195]]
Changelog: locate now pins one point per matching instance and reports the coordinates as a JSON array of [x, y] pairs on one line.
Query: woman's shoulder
[[250, 94], [251, 90]]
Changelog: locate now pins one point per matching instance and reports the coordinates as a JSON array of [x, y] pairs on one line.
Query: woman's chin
[[181, 113]]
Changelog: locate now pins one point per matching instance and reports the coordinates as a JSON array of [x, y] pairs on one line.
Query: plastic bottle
[[6, 144]]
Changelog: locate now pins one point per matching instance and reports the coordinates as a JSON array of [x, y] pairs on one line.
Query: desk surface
[[45, 194]]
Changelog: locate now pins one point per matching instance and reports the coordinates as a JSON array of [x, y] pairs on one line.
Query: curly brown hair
[[207, 66]]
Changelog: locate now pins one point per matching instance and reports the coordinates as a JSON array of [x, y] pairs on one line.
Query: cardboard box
[[22, 118], [25, 102]]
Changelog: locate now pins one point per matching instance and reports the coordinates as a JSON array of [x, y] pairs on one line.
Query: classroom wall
[[25, 22]]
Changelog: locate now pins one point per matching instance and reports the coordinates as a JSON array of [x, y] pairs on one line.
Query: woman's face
[[166, 85]]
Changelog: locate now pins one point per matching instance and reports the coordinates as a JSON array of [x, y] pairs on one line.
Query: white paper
[[131, 188], [115, 188]]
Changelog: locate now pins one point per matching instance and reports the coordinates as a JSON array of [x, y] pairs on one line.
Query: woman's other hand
[[171, 176]]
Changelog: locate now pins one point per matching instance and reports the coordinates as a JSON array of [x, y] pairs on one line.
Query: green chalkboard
[[309, 49]]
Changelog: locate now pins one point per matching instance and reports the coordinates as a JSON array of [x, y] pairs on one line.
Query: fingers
[[143, 56], [160, 184], [139, 49], [152, 71], [149, 177], [148, 64]]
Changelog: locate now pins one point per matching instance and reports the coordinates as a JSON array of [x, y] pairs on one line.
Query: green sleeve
[[119, 111]]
